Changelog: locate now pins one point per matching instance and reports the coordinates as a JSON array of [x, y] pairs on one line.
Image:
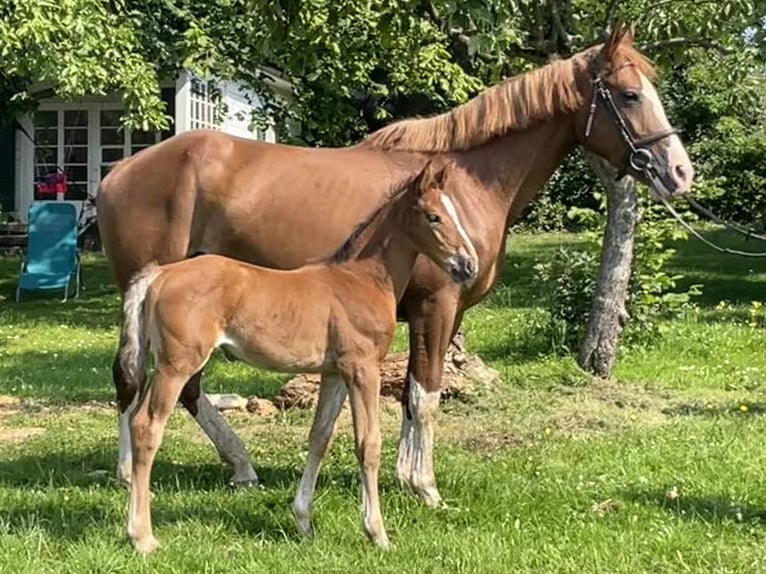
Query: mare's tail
[[133, 350]]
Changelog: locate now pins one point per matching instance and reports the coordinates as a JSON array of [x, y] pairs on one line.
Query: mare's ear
[[621, 34]]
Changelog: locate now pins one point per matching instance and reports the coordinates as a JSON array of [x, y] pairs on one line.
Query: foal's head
[[625, 122], [434, 227]]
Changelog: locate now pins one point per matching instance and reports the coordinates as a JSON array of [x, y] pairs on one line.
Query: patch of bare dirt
[[17, 435], [464, 376]]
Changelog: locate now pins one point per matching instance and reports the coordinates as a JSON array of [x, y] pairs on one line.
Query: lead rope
[[691, 230], [733, 226]]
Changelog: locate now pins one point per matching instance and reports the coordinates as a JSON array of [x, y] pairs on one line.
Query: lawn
[[658, 470]]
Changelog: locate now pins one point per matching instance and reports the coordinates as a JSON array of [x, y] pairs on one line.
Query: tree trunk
[[608, 313]]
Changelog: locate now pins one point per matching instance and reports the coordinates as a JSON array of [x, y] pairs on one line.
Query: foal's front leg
[[364, 395], [332, 394]]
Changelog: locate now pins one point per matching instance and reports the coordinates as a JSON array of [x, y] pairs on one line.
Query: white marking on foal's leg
[[229, 445], [424, 407], [450, 207], [332, 394], [125, 461]]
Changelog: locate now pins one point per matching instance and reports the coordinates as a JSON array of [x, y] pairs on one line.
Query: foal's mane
[[514, 104], [365, 231]]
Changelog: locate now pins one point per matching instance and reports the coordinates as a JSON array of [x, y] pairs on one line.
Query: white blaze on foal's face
[[440, 232]]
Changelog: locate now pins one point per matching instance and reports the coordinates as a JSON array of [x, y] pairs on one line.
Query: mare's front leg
[[432, 322], [229, 446]]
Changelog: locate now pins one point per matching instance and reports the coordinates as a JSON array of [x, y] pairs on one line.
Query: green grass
[[659, 470]]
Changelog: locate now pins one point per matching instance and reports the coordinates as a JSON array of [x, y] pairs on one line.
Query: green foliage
[[57, 43], [568, 283]]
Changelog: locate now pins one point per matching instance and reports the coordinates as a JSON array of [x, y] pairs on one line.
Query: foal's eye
[[433, 219], [631, 97]]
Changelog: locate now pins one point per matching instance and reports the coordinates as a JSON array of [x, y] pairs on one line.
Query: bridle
[[647, 162], [640, 158]]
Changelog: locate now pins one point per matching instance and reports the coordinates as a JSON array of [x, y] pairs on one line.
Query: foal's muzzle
[[463, 269]]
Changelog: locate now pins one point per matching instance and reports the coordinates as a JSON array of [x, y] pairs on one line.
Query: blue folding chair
[[52, 260]]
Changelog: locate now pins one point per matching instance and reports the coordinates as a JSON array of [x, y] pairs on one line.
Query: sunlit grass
[[660, 470]]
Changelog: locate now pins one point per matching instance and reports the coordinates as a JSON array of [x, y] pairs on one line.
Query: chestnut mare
[[282, 206], [337, 319]]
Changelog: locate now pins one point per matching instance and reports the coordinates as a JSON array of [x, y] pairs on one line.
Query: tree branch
[[674, 43], [610, 12]]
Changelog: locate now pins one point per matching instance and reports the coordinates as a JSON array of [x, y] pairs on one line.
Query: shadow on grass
[[83, 375], [266, 513], [727, 277], [712, 411], [97, 307], [713, 508]]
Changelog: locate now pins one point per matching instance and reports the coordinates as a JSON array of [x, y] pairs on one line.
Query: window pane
[[76, 118], [137, 148], [47, 118], [46, 136], [110, 136], [105, 169], [111, 154], [75, 136], [166, 134], [145, 138], [77, 154], [77, 191], [110, 118], [76, 173], [45, 155], [41, 170]]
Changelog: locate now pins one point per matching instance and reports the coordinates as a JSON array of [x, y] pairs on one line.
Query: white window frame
[[25, 160]]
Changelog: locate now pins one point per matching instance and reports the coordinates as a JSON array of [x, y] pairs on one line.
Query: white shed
[[84, 138]]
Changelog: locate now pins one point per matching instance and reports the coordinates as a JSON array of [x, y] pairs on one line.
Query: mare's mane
[[517, 103]]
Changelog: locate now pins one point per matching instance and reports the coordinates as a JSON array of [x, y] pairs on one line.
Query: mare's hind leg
[[147, 427], [364, 396], [431, 327], [332, 393], [229, 446]]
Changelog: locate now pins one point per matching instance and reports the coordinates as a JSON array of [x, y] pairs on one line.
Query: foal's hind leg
[[364, 395], [230, 447], [147, 427], [332, 393]]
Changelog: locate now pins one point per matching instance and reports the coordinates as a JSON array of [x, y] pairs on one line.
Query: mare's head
[[434, 227], [624, 121]]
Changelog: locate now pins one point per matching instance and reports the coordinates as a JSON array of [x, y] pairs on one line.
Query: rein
[[691, 230]]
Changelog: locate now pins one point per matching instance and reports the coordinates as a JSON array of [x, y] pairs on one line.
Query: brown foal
[[336, 318]]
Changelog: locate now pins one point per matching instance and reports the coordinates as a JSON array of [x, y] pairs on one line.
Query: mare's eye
[[433, 219], [631, 97]]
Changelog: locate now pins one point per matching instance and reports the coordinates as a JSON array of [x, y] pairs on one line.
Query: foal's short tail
[[133, 341]]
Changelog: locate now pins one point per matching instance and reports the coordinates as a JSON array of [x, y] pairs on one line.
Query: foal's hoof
[[305, 527], [146, 545], [245, 484], [381, 541]]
